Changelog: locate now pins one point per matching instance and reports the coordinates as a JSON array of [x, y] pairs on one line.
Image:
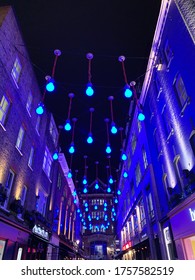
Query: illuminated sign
[[127, 245], [192, 214], [40, 231]]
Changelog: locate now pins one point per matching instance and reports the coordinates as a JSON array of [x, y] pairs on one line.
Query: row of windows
[[9, 185]]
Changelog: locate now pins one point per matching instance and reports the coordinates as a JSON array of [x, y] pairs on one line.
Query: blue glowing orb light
[[40, 109], [71, 149], [141, 117], [108, 149], [67, 125], [113, 128], [84, 180], [89, 139], [119, 192], [50, 86], [127, 91], [89, 90], [55, 156], [69, 174], [108, 190], [85, 190], [125, 174], [97, 186], [111, 181], [124, 156]]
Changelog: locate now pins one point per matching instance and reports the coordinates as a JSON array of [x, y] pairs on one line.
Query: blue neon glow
[[85, 190], [55, 156], [89, 89], [114, 129], [71, 149], [116, 200], [69, 174], [105, 204], [89, 139], [84, 180], [75, 201], [119, 192], [111, 181], [95, 207], [125, 174], [105, 209], [124, 156], [86, 209], [141, 117], [74, 193], [67, 125], [78, 210], [108, 189], [40, 109], [128, 92], [50, 86], [97, 186], [108, 149], [86, 204]]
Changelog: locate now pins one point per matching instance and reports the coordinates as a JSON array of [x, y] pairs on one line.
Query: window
[[167, 122], [59, 183], [16, 71], [53, 131], [168, 54], [31, 157], [142, 213], [157, 87], [41, 203], [4, 108], [138, 174], [47, 162], [192, 141], [8, 186], [144, 155], [180, 91], [29, 103], [133, 143], [38, 124], [23, 195], [20, 138], [150, 205]]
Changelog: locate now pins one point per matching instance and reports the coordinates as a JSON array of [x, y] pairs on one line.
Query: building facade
[[29, 175]]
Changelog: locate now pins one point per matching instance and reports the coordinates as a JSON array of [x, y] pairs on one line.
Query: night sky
[[107, 29]]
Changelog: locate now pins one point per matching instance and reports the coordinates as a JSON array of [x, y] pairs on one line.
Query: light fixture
[[72, 148], [50, 84], [108, 148], [125, 174], [69, 175], [90, 137], [113, 126], [67, 125], [89, 89], [40, 109], [140, 115], [127, 90], [55, 156], [85, 171], [123, 154], [96, 183], [110, 179]]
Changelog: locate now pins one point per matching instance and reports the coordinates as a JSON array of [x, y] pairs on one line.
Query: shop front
[[182, 219]]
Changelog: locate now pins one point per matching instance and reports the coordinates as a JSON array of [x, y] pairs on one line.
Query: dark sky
[[106, 28]]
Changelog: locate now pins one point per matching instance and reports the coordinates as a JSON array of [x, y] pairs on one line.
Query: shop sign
[[192, 214], [40, 231], [127, 245]]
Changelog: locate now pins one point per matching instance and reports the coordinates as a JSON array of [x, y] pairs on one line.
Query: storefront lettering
[[192, 214], [40, 231]]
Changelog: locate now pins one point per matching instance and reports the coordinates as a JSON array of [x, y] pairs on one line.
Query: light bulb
[[50, 86], [141, 116], [128, 92], [84, 180], [111, 181], [108, 149], [69, 174], [124, 156], [71, 149], [89, 139], [119, 192], [125, 174], [89, 89], [97, 186], [85, 190], [40, 109], [108, 189], [67, 125], [55, 156], [113, 128]]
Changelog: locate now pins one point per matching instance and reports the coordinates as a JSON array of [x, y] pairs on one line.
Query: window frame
[[3, 110], [16, 71], [20, 139]]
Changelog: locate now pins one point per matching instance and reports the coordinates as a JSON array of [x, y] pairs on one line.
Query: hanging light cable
[[127, 90], [70, 167], [110, 179], [90, 137], [113, 126], [89, 89], [67, 125], [108, 186], [56, 153], [72, 148], [50, 85], [85, 170], [40, 107], [96, 184], [123, 154], [140, 116], [108, 148]]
